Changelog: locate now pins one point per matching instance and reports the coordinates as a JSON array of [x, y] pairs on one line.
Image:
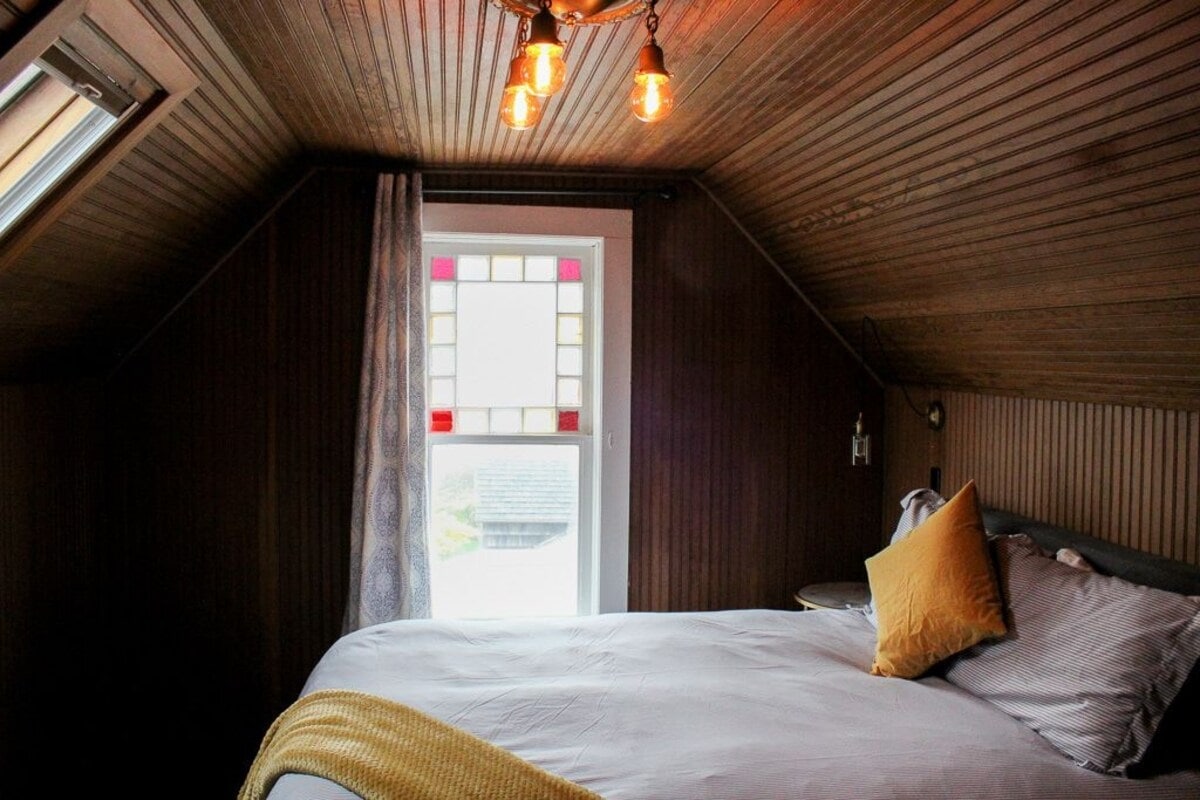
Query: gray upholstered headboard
[[1112, 559]]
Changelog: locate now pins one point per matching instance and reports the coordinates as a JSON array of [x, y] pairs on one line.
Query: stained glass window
[[507, 344]]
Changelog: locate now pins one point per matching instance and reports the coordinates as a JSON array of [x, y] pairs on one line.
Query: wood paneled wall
[[1126, 474], [50, 605], [743, 406], [233, 462]]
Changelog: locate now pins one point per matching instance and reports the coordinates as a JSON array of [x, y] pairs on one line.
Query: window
[[77, 92], [51, 116], [518, 442]]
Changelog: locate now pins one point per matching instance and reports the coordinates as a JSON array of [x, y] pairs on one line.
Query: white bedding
[[735, 705]]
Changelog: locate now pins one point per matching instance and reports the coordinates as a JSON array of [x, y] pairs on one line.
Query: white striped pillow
[[1091, 662]]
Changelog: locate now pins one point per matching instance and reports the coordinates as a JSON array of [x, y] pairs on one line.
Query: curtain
[[389, 563]]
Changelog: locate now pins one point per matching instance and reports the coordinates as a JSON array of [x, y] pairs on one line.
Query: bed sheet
[[730, 705]]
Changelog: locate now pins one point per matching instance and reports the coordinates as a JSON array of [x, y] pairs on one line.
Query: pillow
[[918, 505], [1091, 662], [934, 590]]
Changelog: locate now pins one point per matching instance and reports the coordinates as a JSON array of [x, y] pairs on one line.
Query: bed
[[736, 705]]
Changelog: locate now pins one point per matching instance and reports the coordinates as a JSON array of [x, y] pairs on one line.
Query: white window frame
[[604, 468]]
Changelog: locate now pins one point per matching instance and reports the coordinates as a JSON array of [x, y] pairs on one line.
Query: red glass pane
[[441, 421], [442, 268], [568, 421], [570, 269]]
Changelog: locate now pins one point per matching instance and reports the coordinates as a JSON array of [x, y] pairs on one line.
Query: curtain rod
[[665, 192]]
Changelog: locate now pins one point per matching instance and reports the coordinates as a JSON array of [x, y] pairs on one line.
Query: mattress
[[735, 705]]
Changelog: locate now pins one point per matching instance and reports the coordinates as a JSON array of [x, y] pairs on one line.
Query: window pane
[[441, 360], [540, 268], [441, 329], [570, 392], [570, 361], [473, 268], [441, 297], [539, 420], [506, 351], [506, 268], [504, 533], [505, 420], [570, 329], [441, 392], [442, 268], [570, 298], [472, 420]]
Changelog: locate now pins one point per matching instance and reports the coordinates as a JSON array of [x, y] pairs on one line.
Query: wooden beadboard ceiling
[[1009, 188]]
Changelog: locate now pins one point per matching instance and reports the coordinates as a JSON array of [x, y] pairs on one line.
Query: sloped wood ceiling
[[1009, 188]]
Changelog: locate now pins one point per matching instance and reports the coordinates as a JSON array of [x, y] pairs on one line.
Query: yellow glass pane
[[441, 329], [570, 329]]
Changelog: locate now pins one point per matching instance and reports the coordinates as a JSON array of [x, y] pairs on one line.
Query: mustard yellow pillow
[[935, 591]]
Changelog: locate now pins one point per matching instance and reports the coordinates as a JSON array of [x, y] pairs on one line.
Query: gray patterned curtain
[[389, 565]]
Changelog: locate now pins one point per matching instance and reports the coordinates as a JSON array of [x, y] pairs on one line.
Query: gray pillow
[[918, 506], [1091, 662]]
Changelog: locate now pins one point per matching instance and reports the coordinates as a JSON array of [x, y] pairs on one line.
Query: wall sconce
[[934, 413], [860, 445]]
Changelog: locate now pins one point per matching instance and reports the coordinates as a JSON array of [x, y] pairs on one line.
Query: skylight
[[52, 115]]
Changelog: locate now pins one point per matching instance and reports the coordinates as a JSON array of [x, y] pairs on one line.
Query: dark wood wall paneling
[[236, 429], [1125, 474], [743, 406], [51, 606], [234, 459]]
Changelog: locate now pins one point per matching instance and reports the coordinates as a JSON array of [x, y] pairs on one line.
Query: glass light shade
[[651, 98], [544, 71], [520, 109]]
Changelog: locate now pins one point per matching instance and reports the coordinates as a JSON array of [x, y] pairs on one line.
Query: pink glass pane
[[570, 269], [442, 268], [441, 421], [568, 420]]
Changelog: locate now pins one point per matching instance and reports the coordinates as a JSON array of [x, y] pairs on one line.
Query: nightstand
[[845, 594]]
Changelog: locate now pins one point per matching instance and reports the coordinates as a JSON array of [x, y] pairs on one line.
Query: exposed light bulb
[[652, 98], [544, 71], [520, 109]]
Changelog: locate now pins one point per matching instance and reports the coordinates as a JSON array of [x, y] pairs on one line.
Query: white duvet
[[735, 705]]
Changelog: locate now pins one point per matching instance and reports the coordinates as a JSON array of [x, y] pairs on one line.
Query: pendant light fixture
[[544, 70], [651, 98], [520, 109], [538, 71]]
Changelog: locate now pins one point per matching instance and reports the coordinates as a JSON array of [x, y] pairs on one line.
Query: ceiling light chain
[[538, 71]]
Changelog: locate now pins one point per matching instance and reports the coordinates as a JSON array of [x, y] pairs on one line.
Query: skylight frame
[[138, 41]]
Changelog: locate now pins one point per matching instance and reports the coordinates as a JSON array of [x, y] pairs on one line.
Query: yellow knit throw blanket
[[383, 750]]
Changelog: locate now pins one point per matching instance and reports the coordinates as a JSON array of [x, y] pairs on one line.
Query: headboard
[[1112, 559]]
